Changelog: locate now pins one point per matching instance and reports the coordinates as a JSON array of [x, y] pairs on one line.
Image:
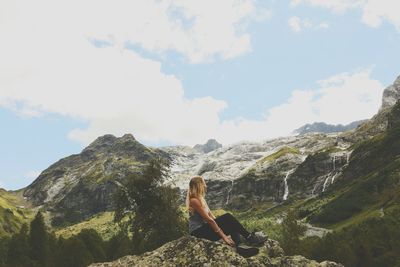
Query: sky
[[184, 71]]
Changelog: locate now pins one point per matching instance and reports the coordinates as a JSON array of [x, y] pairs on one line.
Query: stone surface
[[192, 251], [391, 94]]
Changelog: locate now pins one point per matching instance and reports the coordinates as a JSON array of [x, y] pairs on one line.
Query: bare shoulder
[[195, 202]]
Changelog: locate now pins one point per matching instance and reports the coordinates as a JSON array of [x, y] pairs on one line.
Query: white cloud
[[374, 11], [50, 65], [338, 6], [298, 24], [199, 30], [342, 98], [295, 24]]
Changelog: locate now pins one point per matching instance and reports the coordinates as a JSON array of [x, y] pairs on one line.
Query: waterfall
[[348, 158], [326, 181], [334, 161], [229, 192], [315, 187], [333, 178], [286, 193]]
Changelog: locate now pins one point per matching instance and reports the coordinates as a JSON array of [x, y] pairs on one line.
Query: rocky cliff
[[391, 95], [274, 170], [192, 251]]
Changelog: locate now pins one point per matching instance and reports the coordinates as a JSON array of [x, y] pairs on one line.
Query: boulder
[[192, 251]]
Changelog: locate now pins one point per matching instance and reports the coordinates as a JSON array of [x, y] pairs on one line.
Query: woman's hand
[[228, 240]]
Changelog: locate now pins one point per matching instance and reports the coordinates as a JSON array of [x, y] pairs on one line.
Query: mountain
[[81, 185], [238, 175], [211, 145], [247, 172], [322, 127]]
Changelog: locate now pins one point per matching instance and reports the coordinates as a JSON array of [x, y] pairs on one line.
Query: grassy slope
[[102, 223], [14, 211], [371, 183]]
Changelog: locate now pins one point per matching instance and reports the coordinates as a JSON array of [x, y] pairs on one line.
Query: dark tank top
[[196, 221]]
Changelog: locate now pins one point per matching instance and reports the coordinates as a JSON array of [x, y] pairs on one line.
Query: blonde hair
[[197, 190]]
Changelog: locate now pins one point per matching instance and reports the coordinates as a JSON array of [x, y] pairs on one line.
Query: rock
[[391, 94], [273, 249], [192, 251], [211, 145]]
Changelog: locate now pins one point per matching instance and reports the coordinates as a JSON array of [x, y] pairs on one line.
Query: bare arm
[[209, 212], [211, 215]]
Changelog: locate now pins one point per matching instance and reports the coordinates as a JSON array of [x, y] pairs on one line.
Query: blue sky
[[244, 71]]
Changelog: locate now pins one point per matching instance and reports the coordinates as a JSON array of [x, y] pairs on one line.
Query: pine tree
[[38, 241], [292, 230], [149, 209], [119, 245], [94, 243], [73, 252], [18, 250], [4, 244]]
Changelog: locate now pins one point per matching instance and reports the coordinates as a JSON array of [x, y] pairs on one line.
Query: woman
[[203, 224]]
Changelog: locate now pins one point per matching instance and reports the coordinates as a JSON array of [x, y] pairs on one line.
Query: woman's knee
[[226, 217]]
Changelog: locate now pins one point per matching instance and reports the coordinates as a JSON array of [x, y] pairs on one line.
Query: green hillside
[[14, 211]]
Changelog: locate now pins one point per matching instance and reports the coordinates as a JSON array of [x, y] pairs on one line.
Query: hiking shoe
[[256, 238], [247, 252]]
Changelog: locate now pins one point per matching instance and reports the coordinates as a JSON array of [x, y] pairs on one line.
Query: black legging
[[229, 225]]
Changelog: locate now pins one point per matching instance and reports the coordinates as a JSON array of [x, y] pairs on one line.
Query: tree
[[148, 209], [119, 245], [94, 243], [73, 252], [292, 230], [38, 241], [18, 250], [4, 244]]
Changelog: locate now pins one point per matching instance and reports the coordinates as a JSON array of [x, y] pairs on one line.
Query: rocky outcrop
[[192, 251], [211, 145], [391, 94]]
